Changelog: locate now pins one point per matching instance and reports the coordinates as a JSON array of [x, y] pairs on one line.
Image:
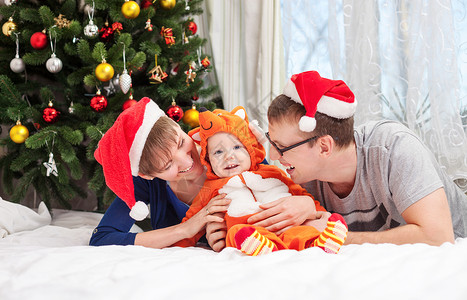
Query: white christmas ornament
[[54, 64], [125, 81]]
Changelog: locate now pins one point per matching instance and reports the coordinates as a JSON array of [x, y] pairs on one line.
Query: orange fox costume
[[259, 185]]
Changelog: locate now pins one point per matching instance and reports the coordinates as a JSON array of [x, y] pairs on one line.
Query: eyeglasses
[[283, 150]]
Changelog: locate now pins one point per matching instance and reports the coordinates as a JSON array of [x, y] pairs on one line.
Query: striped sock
[[333, 237], [251, 242]]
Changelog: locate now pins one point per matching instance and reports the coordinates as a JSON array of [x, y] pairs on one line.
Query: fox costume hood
[[234, 122]]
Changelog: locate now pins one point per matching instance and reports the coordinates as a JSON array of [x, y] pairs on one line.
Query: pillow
[[16, 217]]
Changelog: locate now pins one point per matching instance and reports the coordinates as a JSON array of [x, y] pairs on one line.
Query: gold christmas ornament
[[167, 4], [191, 117], [19, 133], [9, 27], [130, 9], [104, 71]]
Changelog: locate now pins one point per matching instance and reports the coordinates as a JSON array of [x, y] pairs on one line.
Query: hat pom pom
[[139, 211], [307, 124]]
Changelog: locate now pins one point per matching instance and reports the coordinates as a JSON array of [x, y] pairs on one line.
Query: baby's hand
[[321, 221]]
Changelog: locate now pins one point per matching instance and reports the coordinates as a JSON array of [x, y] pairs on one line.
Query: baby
[[232, 155]]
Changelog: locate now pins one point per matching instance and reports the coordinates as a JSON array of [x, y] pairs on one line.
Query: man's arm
[[428, 221]]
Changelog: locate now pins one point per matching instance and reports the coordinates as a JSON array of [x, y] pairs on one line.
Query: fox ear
[[241, 112], [196, 137], [257, 131], [194, 134]]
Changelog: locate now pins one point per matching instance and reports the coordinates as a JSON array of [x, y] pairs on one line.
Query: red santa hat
[[330, 97], [119, 151]]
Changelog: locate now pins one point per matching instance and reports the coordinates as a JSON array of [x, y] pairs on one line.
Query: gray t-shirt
[[394, 170]]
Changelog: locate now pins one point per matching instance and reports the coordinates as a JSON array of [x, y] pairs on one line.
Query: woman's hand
[[284, 213], [213, 212]]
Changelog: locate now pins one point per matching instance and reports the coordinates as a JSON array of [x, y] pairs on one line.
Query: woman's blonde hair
[[284, 109], [157, 150]]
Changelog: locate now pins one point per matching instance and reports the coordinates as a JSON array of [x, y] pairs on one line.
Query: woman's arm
[[428, 221], [165, 237], [114, 227]]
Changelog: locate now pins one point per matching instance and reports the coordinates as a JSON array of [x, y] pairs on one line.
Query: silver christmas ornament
[[54, 64], [17, 65], [116, 81], [125, 81], [51, 166], [91, 30]]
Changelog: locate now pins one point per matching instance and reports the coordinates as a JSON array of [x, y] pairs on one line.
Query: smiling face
[[227, 155], [302, 163], [184, 162]]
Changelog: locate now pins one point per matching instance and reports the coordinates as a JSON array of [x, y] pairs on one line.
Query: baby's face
[[227, 155]]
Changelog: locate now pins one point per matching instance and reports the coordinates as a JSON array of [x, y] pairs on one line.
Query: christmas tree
[[69, 67]]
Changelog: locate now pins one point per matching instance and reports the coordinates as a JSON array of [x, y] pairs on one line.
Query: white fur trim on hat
[[336, 108], [139, 211], [291, 91], [152, 113]]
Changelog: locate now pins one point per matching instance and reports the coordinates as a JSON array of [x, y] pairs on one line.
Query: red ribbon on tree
[[168, 35]]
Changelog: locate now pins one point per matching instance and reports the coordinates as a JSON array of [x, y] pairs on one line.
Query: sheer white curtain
[[400, 57], [246, 41]]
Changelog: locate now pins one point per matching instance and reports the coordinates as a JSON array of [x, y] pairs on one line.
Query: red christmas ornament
[[106, 33], [129, 103], [205, 62], [192, 27], [145, 4], [98, 102], [50, 114], [174, 112], [38, 40], [195, 97]]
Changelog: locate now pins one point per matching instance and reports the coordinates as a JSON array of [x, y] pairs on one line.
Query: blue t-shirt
[[165, 210]]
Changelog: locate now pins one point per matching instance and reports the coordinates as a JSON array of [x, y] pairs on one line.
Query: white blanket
[[54, 262]]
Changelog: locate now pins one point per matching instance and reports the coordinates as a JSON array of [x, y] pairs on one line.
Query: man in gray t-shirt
[[380, 177], [394, 171]]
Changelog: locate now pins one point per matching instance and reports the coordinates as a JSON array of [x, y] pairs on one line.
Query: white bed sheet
[[54, 262]]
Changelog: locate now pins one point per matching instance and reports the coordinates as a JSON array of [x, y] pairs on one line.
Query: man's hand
[[284, 213]]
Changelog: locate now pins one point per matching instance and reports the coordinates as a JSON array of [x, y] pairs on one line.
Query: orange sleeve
[[201, 200]]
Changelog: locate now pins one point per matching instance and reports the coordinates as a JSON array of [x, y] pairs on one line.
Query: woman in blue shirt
[[148, 160]]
